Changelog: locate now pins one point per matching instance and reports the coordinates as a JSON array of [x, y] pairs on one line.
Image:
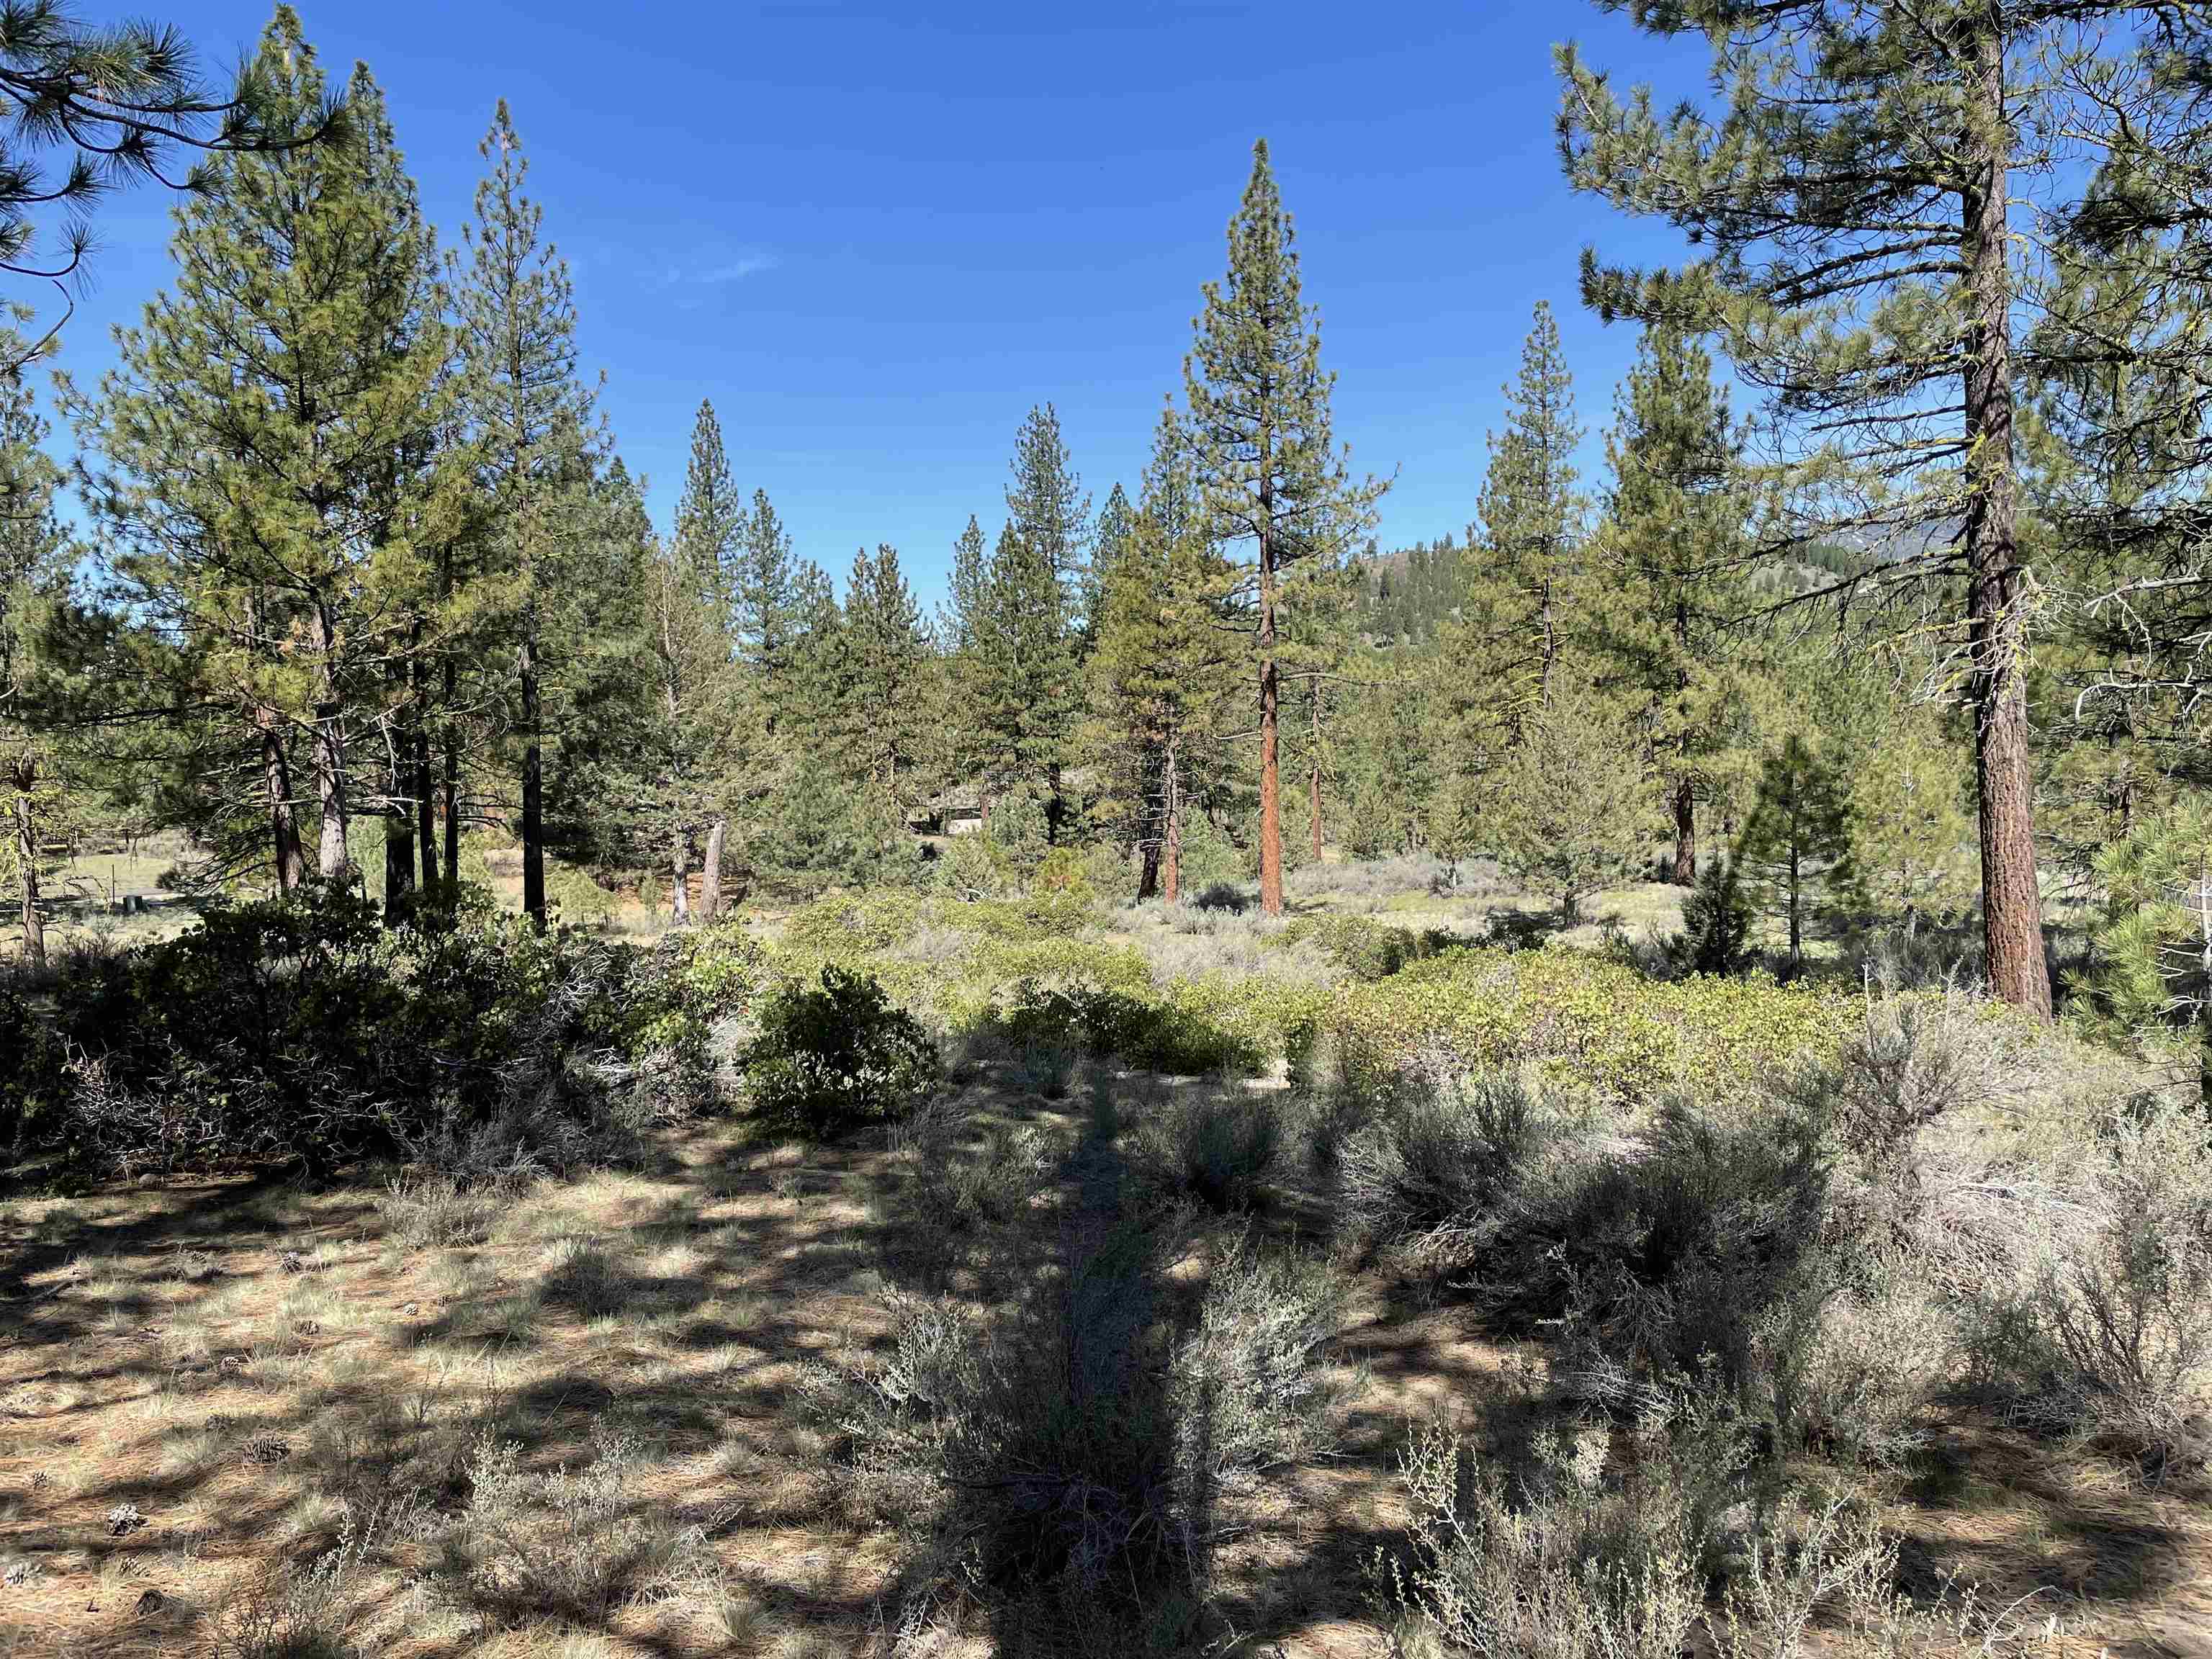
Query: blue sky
[[875, 234]]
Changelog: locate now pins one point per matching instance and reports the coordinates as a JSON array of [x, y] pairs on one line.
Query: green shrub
[[306, 1034], [1695, 1255], [1371, 950], [832, 1058], [1594, 1025], [970, 868], [1060, 895], [575, 898], [1250, 1389], [954, 1189], [1111, 872], [841, 925]]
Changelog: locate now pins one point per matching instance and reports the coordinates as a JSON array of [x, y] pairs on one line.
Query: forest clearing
[[1203, 1069]]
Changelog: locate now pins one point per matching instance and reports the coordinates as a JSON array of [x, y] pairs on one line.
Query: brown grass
[[293, 1391]]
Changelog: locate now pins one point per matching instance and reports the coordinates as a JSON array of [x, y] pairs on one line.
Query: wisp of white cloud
[[730, 270]]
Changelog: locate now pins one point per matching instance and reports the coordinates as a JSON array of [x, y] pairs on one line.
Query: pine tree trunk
[[398, 817], [533, 804], [277, 800], [399, 864], [1686, 804], [26, 868], [1685, 835], [1314, 810], [680, 889], [450, 796], [426, 822], [451, 792], [1271, 782], [1148, 871], [331, 857], [426, 811], [1797, 907], [2012, 900], [1171, 836], [710, 874]]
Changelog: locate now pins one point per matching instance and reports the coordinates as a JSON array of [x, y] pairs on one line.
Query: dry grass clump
[[955, 1188], [1576, 1566], [1373, 880], [1220, 1146], [588, 1276], [1251, 1390], [1704, 1252], [1588, 1556], [566, 1543], [2107, 1329], [1430, 1169], [286, 1610], [1065, 1466], [1194, 940], [439, 1213]]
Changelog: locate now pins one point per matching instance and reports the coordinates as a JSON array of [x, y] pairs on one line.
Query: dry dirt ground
[[199, 1381]]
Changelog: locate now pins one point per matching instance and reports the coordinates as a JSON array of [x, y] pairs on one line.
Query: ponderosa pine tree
[[1317, 643], [1163, 679], [35, 561], [1854, 200], [1268, 471], [119, 103], [1117, 522], [599, 701], [1514, 623], [266, 456], [1573, 801], [887, 702], [710, 542], [1025, 679], [710, 513], [533, 424], [1672, 558], [2125, 374], [1792, 849], [699, 708], [963, 622], [1046, 505], [763, 600], [1033, 652]]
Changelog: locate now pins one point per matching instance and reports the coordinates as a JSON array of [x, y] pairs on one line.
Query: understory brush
[[572, 1543], [954, 1187], [1220, 1146], [1825, 1256], [306, 1034], [832, 1058], [1064, 1467], [2107, 1329], [1583, 1021], [1606, 1549], [1701, 1252]]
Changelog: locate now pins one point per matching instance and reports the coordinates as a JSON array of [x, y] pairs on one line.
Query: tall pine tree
[[265, 455], [1265, 459], [1672, 558], [1857, 200], [532, 422]]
